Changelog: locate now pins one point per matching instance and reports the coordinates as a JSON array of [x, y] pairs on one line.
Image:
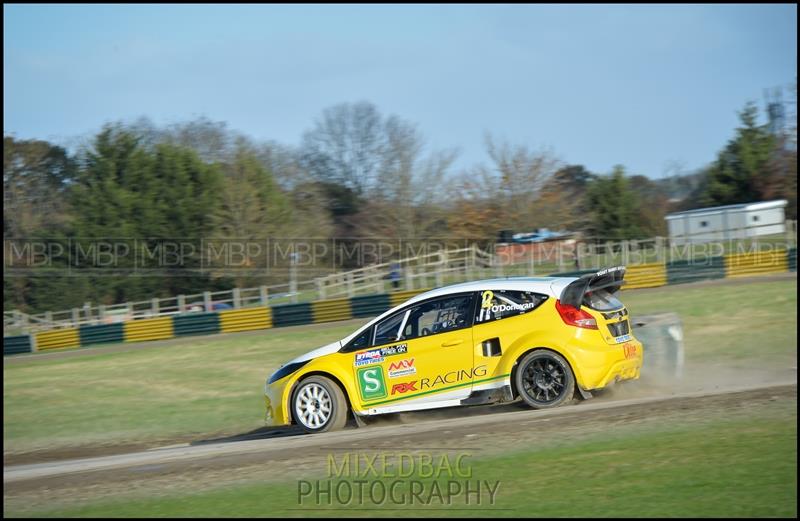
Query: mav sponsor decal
[[403, 367], [376, 356]]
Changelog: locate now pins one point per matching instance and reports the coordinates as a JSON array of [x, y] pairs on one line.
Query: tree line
[[355, 173]]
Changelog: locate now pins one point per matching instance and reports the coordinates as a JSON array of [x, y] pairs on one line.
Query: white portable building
[[720, 223]]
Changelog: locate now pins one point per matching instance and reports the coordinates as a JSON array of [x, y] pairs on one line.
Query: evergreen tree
[[613, 207], [739, 173], [148, 198]]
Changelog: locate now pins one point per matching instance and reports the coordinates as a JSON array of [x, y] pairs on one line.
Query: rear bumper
[[623, 370], [601, 365]]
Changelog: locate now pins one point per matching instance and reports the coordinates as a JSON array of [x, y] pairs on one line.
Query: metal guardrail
[[662, 337]]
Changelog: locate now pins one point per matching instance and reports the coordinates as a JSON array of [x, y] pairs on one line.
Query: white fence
[[424, 271]]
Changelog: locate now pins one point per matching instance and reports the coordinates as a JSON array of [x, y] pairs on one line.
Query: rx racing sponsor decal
[[452, 377], [404, 387], [403, 367], [376, 356]]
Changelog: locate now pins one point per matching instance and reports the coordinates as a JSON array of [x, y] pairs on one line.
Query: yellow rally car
[[542, 339]]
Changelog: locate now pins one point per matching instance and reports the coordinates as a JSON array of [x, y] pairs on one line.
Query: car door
[[501, 318], [420, 357]]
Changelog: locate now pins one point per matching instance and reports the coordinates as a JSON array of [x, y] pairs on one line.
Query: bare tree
[[346, 145], [521, 174], [405, 201], [36, 175], [212, 140]]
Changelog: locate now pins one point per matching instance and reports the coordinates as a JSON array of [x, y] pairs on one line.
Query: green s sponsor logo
[[371, 383]]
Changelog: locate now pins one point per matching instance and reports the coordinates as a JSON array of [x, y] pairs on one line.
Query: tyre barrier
[[756, 263], [578, 273], [149, 329], [706, 268], [398, 297], [331, 310], [645, 276], [263, 317], [57, 338], [249, 319], [370, 305], [102, 334], [292, 314], [196, 324], [16, 345]]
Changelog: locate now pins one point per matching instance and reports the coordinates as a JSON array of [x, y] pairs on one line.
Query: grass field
[[213, 385], [711, 466]]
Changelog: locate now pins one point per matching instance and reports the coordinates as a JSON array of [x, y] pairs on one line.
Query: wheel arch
[[525, 353], [333, 378]]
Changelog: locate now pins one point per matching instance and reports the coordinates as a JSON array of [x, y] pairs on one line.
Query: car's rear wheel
[[544, 380], [319, 405]]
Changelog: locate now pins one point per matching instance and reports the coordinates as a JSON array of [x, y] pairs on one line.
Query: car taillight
[[573, 316]]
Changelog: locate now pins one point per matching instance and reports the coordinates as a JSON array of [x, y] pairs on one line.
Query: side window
[[499, 304], [359, 342], [438, 316], [387, 330]]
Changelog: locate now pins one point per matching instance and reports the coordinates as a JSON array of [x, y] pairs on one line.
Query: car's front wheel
[[544, 380], [319, 405]]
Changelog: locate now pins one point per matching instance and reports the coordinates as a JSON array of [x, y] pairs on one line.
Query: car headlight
[[286, 370]]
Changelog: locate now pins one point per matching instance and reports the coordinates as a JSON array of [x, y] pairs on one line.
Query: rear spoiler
[[609, 279]]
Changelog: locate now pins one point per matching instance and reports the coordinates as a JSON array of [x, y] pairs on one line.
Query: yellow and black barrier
[[645, 276], [149, 329], [331, 310], [398, 297], [58, 338], [264, 317], [248, 319], [756, 263]]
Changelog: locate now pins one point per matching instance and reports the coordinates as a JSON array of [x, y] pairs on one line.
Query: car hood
[[316, 353]]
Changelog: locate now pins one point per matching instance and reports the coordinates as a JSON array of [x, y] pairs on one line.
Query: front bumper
[[275, 403]]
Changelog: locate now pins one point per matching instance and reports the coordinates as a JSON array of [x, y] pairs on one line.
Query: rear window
[[499, 304], [601, 300]]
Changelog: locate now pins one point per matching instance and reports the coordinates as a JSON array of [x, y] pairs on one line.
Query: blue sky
[[642, 86]]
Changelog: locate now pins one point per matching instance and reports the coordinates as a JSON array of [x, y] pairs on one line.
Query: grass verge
[[720, 466], [212, 385]]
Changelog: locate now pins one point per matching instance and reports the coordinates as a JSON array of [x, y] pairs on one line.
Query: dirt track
[[478, 432]]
